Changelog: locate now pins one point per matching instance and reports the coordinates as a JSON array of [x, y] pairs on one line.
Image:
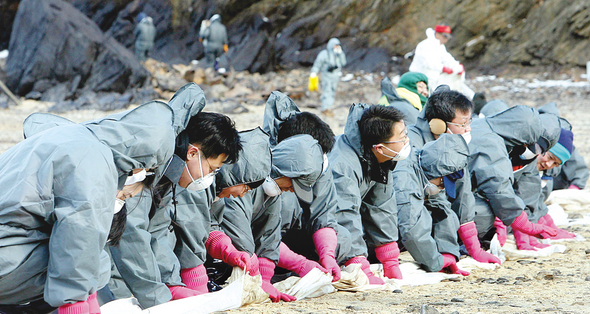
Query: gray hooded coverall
[[329, 65], [366, 208], [58, 195], [427, 224]]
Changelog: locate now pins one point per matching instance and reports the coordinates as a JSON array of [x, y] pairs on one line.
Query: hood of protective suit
[[352, 133], [253, 165], [187, 102], [388, 90], [300, 158], [551, 108], [448, 154], [493, 107], [332, 43], [518, 125], [279, 107], [139, 138], [551, 129], [430, 34]]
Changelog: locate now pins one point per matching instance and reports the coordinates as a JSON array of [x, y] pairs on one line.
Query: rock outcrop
[[54, 43]]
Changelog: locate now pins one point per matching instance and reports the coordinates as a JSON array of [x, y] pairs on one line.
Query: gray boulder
[[53, 41]]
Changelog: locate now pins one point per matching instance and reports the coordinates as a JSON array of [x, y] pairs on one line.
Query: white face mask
[[432, 189], [337, 49], [467, 137], [403, 153], [118, 205], [136, 177], [203, 182], [528, 154], [271, 188]]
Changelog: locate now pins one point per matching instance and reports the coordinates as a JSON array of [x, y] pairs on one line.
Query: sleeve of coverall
[[492, 174], [348, 212], [449, 61], [84, 194], [444, 230], [266, 228], [528, 188], [379, 212], [217, 209], [323, 207], [237, 222], [342, 59], [426, 54], [135, 258], [464, 204], [163, 242], [414, 221], [193, 218]]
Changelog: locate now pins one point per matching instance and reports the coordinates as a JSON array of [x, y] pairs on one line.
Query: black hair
[[214, 132], [442, 105], [376, 124], [118, 227], [308, 123]]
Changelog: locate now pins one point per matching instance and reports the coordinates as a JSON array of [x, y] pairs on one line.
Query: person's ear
[[192, 153]]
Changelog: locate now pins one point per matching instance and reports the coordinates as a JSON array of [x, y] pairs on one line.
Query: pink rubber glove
[[267, 270], [366, 267], [468, 233], [295, 262], [522, 224], [573, 187], [219, 246], [534, 243], [180, 292], [81, 307], [523, 241], [462, 69], [388, 255], [501, 231], [325, 241], [195, 278], [93, 304], [547, 220], [447, 70], [450, 263], [254, 265]]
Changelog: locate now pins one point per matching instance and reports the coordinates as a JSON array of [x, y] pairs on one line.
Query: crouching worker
[[374, 140], [309, 225], [145, 257], [427, 224], [63, 186], [233, 181]]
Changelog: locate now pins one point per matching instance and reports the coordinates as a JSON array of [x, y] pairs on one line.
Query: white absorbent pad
[[242, 289], [512, 253], [571, 200], [314, 284]]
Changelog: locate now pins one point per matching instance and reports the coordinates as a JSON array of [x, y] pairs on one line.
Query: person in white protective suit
[[431, 58]]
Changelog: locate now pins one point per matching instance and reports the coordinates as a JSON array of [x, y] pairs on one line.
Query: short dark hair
[[214, 132], [308, 123], [442, 105], [376, 124]]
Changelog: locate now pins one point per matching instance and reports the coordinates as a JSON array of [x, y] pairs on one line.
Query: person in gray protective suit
[[232, 181], [527, 180], [428, 227], [503, 145], [145, 258], [329, 64], [309, 225], [450, 112], [253, 221], [145, 33], [374, 140], [59, 198], [215, 40]]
